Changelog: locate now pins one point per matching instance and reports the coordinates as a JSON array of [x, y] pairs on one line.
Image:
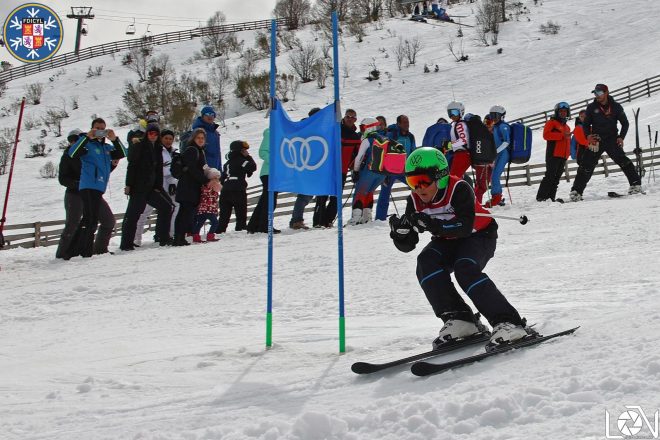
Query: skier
[[600, 127], [463, 240], [558, 135], [502, 135]]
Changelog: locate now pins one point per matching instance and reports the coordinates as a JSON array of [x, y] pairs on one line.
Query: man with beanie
[[212, 149], [603, 136], [69, 177], [239, 165], [144, 184]]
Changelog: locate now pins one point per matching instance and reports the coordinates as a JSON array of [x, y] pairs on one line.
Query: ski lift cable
[[153, 16]]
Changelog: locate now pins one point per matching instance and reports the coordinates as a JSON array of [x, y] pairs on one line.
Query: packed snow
[[169, 343]]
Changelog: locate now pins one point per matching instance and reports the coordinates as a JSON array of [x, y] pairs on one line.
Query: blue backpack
[[520, 149], [437, 136]]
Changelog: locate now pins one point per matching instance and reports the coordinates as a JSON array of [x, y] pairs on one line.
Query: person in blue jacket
[[212, 148], [96, 157], [502, 135], [399, 132]]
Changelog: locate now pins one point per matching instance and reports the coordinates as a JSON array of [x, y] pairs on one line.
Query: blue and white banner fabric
[[303, 154]]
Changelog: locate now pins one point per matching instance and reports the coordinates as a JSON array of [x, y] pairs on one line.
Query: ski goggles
[[599, 92], [416, 181], [454, 112]]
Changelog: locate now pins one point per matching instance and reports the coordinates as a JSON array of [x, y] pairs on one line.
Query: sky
[[112, 18]]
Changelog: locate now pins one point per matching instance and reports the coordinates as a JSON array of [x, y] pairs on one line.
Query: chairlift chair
[[147, 33], [130, 29], [83, 30]]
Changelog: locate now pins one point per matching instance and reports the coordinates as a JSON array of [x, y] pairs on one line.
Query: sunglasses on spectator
[[599, 92], [416, 181]]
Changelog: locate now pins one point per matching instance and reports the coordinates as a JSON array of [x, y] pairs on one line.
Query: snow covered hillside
[[598, 42], [168, 343]]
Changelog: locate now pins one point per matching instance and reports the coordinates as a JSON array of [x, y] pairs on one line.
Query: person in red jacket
[[558, 135]]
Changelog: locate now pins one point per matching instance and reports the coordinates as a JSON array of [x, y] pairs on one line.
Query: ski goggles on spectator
[[454, 112], [599, 92], [417, 181]]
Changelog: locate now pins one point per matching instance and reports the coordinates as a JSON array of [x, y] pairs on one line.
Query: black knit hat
[[153, 127], [166, 131], [238, 146]]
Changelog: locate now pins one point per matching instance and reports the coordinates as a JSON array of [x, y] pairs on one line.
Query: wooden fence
[[108, 48], [47, 233]]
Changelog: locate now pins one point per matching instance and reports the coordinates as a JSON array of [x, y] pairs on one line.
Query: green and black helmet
[[427, 162]]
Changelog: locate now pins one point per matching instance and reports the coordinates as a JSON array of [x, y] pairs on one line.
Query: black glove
[[171, 190], [355, 176], [423, 222], [400, 227]]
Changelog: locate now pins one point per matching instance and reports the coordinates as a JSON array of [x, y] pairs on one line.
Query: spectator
[[400, 132], [239, 165], [69, 177], [557, 133], [460, 141], [96, 158], [212, 148], [259, 219], [365, 180], [169, 186], [502, 136], [325, 210], [600, 127], [188, 190], [208, 207], [144, 185], [579, 142], [302, 200]]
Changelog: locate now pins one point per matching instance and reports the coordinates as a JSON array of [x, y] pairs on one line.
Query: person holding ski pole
[[600, 127], [464, 239]]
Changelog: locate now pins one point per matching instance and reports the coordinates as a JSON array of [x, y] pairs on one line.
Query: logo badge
[[631, 422], [33, 33], [298, 153]]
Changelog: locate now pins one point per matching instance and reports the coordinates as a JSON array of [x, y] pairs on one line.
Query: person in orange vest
[[557, 133]]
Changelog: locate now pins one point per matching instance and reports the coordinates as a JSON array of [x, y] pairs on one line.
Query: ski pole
[[655, 145], [522, 219], [11, 173]]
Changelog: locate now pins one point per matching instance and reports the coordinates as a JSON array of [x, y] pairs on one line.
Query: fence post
[[568, 176], [528, 175], [607, 174], [629, 98], [37, 234], [648, 87]]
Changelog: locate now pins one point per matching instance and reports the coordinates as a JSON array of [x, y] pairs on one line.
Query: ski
[[638, 150], [616, 195], [427, 368], [367, 367]]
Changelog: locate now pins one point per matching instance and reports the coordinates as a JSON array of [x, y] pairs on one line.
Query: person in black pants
[[600, 127], [190, 184], [558, 136], [259, 219], [144, 185], [97, 159], [69, 177], [239, 165]]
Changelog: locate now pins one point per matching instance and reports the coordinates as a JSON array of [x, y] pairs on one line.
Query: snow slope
[[598, 42], [169, 343]]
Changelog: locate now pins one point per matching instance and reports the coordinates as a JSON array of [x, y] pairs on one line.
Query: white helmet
[[498, 109], [455, 105], [369, 125]]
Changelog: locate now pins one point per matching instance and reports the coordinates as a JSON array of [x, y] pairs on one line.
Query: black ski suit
[[602, 120], [234, 190], [456, 248]]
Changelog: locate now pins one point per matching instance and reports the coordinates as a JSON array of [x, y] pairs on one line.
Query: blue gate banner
[[303, 154]]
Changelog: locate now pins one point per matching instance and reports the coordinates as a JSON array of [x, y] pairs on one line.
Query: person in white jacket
[[169, 184]]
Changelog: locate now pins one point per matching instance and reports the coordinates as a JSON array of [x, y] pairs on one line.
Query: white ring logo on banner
[[300, 153]]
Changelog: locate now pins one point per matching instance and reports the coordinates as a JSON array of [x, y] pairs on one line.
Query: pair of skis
[[420, 367]]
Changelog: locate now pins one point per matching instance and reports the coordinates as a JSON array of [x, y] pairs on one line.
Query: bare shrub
[[302, 62], [49, 170], [550, 28], [33, 93], [411, 49], [294, 11]]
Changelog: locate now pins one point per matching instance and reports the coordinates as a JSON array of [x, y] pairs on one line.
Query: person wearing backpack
[[399, 132], [190, 184], [460, 141], [169, 186], [237, 168], [364, 179], [502, 136], [144, 185], [464, 239], [557, 133]]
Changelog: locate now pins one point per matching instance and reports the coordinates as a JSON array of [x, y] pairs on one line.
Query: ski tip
[[362, 368], [420, 369]]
